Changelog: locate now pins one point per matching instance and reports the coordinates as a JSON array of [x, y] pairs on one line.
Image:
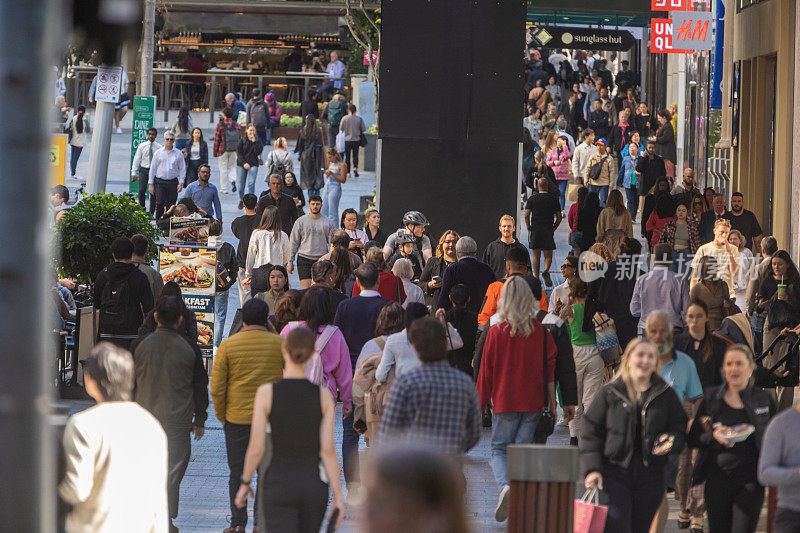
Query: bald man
[[235, 104]]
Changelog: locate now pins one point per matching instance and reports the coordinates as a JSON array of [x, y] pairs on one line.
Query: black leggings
[[295, 498], [633, 496], [733, 506]]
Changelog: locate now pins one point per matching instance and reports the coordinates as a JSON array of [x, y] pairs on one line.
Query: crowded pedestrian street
[[379, 267]]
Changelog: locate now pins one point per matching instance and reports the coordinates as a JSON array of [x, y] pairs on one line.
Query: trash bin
[[542, 482]]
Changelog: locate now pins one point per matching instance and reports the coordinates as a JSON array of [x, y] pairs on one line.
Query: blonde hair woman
[[279, 160], [516, 349], [335, 175], [632, 424]]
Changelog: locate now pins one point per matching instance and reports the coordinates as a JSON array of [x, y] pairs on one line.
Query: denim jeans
[[75, 153], [261, 133], [220, 314], [270, 126], [562, 192], [246, 179], [602, 192], [632, 195], [330, 203], [681, 261], [349, 450], [509, 428]]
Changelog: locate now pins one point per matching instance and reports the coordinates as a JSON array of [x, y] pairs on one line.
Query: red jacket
[[511, 370], [388, 287]]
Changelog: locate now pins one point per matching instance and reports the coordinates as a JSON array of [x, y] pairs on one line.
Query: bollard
[[542, 480]]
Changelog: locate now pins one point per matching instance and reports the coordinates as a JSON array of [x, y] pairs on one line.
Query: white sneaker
[[562, 422], [501, 511], [354, 497], [119, 130]]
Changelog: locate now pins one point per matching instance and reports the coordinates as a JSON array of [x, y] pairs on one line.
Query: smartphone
[[332, 522], [437, 278]]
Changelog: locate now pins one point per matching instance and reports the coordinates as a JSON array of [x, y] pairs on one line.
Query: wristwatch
[[241, 478]]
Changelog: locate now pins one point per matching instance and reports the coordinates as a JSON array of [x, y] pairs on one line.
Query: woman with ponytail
[[77, 129]]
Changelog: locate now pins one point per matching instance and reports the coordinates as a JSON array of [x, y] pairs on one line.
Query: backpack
[[335, 112], [314, 371], [595, 169], [258, 114], [231, 137], [278, 167], [115, 302]]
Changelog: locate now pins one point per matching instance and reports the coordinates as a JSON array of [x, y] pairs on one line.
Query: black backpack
[[115, 302], [232, 137], [595, 169], [279, 167]]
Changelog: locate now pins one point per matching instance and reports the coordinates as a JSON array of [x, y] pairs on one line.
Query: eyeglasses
[[566, 266], [169, 138]]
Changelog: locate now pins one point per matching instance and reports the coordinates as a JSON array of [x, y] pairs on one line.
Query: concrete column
[[101, 144], [794, 205]]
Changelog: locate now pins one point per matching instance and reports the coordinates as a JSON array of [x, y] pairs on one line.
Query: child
[[466, 323], [406, 249]]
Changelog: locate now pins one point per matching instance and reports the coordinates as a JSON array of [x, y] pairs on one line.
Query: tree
[[86, 232], [365, 27], [148, 37]]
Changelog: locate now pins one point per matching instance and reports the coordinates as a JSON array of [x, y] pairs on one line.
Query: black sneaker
[[241, 204], [546, 277], [355, 172], [233, 188]]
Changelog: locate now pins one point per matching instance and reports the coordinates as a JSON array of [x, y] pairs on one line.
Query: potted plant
[[291, 109], [87, 230]]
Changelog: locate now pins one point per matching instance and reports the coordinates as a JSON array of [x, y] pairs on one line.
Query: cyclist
[[414, 224]]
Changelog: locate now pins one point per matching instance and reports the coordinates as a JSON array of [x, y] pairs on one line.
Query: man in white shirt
[[167, 174], [582, 153], [115, 454], [335, 69], [140, 169]]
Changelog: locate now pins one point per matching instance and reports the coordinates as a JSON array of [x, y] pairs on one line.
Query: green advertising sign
[[144, 112]]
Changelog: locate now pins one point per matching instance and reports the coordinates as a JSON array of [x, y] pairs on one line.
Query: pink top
[[561, 170], [336, 365], [572, 217]]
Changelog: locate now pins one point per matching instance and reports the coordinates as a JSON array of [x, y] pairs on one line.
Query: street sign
[[109, 84], [144, 112], [582, 38], [58, 158], [374, 57], [693, 30], [661, 37], [679, 5]]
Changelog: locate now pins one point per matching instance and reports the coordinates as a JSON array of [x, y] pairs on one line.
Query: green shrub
[[288, 121], [86, 232], [290, 105]]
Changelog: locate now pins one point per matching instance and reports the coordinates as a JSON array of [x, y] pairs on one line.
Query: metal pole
[[681, 133], [101, 144], [147, 48], [27, 482]]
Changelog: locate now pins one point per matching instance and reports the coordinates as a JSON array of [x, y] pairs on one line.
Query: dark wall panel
[[459, 185], [451, 112]]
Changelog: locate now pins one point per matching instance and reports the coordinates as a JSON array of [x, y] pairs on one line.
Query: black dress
[[294, 496]]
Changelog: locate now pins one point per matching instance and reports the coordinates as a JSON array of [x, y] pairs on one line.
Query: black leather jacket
[[758, 405]]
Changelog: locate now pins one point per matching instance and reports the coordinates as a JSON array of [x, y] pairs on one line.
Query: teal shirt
[[681, 374]]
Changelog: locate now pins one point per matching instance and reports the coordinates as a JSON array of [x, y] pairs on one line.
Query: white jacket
[[580, 158], [265, 249]]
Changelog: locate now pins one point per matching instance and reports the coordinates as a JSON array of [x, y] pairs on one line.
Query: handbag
[[607, 340], [340, 142], [547, 420], [589, 515], [363, 141], [572, 191]]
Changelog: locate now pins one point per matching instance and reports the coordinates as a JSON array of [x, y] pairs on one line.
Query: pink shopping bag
[[590, 516]]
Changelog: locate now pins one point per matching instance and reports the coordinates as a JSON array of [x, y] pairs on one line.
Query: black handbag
[[363, 141], [547, 420]]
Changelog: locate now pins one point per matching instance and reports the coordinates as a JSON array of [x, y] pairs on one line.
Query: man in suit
[[574, 114], [468, 270], [708, 218]]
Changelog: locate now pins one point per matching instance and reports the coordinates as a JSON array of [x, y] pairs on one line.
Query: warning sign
[[109, 84]]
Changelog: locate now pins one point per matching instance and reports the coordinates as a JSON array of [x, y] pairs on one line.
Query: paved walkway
[[204, 492]]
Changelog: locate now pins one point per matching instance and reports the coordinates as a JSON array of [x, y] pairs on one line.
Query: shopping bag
[[572, 192], [340, 142], [589, 516], [607, 340]]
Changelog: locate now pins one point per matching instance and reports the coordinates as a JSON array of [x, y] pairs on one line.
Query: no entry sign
[[109, 84]]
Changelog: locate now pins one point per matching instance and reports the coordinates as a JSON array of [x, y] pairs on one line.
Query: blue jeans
[[180, 144], [330, 203], [681, 260], [562, 192], [270, 125], [75, 153], [509, 428], [220, 315], [349, 450], [632, 195], [246, 179], [261, 133], [602, 192]]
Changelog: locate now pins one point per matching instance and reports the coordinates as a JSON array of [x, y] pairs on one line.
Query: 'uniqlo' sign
[[661, 37], [679, 5]]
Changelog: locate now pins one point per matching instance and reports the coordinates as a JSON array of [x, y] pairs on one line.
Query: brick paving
[[204, 491]]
